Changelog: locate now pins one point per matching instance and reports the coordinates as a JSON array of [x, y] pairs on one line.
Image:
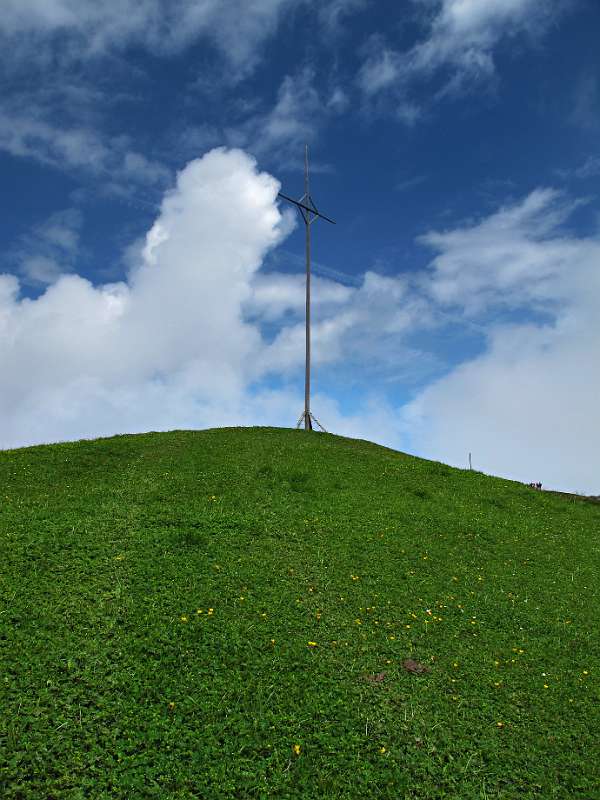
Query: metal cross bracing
[[307, 208]]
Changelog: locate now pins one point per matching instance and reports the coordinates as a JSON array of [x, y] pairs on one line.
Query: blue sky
[[150, 279]]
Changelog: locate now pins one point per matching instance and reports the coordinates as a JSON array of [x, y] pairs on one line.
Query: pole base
[[308, 418]]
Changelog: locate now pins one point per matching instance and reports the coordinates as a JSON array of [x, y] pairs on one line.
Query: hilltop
[[271, 613]]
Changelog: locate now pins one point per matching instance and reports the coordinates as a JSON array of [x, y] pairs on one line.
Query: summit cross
[[310, 214]]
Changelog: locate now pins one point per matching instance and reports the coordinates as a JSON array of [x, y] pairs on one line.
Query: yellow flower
[[500, 724], [455, 664], [171, 705], [391, 637], [272, 641], [312, 644], [297, 749], [198, 611], [210, 611], [184, 618], [382, 749], [407, 626], [545, 686], [358, 622], [585, 672]]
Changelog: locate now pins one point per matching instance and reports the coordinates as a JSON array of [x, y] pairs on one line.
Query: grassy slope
[[106, 545]]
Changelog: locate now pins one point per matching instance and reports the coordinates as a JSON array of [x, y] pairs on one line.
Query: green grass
[[294, 537]]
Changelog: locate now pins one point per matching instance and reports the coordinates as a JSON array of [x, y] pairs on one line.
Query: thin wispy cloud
[[460, 43]]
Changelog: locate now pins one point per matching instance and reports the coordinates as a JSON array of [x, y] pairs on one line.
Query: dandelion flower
[[184, 618], [297, 749], [312, 644], [198, 611], [500, 724], [545, 686], [585, 672]]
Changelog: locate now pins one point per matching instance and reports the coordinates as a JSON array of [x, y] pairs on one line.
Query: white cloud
[[295, 118], [380, 70], [77, 148], [274, 295], [511, 259], [590, 168], [462, 38], [333, 13], [74, 358], [49, 249], [162, 26], [526, 408]]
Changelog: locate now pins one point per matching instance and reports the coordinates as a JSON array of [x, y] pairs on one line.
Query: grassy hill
[[228, 614]]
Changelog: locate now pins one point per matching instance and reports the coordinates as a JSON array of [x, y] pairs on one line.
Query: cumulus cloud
[[84, 359], [526, 406]]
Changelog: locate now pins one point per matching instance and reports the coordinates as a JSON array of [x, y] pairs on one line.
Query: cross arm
[[306, 208]]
